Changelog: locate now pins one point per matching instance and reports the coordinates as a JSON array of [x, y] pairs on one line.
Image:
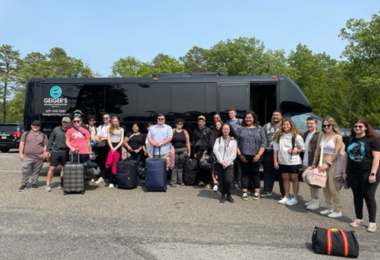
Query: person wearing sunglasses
[[78, 112], [78, 141], [159, 136], [361, 170], [181, 144], [101, 148], [331, 139]]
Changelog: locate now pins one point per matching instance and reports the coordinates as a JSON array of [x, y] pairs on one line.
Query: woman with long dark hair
[[361, 170], [135, 143], [251, 146], [288, 144], [331, 139], [225, 153]]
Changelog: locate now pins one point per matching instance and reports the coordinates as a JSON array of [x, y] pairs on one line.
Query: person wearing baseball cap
[[201, 139], [32, 154], [56, 149]]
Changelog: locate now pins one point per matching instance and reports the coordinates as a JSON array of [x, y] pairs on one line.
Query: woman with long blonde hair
[[331, 139], [288, 144], [115, 139]]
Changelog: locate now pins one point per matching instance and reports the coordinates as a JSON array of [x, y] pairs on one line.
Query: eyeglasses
[[324, 126], [76, 121], [160, 119], [358, 126], [92, 120]]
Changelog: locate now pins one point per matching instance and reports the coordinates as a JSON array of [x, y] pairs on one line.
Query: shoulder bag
[[313, 177]]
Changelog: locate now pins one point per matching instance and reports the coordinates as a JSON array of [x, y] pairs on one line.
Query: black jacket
[[201, 139]]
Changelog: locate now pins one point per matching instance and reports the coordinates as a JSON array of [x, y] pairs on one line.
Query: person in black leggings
[[361, 170]]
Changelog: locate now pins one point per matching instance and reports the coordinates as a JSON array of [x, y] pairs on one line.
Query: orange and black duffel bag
[[333, 241]]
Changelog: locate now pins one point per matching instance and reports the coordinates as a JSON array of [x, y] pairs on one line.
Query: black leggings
[[362, 189], [250, 172], [225, 178]]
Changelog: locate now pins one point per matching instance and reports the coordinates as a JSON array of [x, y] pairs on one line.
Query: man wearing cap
[[56, 149], [201, 139], [32, 154], [159, 137]]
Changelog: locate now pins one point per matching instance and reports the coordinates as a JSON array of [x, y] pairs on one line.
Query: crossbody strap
[[321, 153]]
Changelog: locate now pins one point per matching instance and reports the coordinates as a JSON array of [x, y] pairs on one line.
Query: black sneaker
[[222, 199], [230, 199], [34, 186], [265, 194], [22, 188]]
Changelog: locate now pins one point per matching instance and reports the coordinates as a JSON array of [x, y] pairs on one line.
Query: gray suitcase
[[73, 177]]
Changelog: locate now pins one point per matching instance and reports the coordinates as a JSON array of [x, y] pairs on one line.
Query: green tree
[[194, 60], [241, 56], [170, 65], [126, 67], [9, 65], [363, 54]]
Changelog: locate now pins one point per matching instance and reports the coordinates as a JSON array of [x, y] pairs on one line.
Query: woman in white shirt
[[288, 144], [225, 154]]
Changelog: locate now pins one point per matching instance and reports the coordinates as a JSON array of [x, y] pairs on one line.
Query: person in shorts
[[57, 151]]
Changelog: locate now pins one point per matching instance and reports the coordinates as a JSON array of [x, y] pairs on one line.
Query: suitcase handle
[[72, 157], [159, 151]]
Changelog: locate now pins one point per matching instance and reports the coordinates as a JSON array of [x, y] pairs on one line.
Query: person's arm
[[344, 168], [121, 139], [187, 143], [89, 147], [375, 166], [232, 154], [50, 143], [276, 147], [300, 145], [317, 152], [67, 142], [109, 140], [126, 145], [216, 151], [21, 150], [338, 147]]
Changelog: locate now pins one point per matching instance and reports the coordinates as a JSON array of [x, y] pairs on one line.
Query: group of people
[[235, 149]]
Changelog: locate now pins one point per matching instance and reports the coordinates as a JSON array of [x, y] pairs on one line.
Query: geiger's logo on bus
[[55, 93]]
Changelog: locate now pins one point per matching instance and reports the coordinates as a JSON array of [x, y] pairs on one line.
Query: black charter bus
[[185, 95]]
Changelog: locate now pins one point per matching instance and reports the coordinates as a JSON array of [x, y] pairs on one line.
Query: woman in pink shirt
[[78, 141]]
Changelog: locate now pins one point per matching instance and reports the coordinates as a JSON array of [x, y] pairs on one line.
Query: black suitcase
[[126, 174], [73, 177], [190, 171], [333, 241], [155, 173]]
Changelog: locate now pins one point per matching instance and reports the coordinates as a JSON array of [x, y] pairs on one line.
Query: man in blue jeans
[[270, 172]]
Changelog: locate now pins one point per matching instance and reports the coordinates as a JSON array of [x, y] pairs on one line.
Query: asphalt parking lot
[[183, 223]]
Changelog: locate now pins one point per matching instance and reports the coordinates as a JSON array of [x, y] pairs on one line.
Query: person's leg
[[244, 176], [354, 181], [369, 191], [295, 184], [220, 173], [333, 197], [36, 168], [286, 180], [181, 162], [50, 174], [26, 170], [269, 172], [228, 179], [174, 175], [255, 166]]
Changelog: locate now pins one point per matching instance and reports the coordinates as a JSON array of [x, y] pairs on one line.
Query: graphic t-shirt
[[359, 152], [78, 139]]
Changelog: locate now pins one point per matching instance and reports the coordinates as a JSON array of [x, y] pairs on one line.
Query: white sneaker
[[215, 188], [291, 202], [326, 211], [313, 205], [111, 186], [283, 200], [100, 180], [308, 203], [335, 214], [92, 180]]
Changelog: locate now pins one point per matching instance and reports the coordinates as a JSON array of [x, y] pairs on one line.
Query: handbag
[[124, 153], [333, 241], [203, 162], [102, 144], [314, 177], [171, 157]]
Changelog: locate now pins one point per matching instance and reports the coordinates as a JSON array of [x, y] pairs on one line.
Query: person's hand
[[225, 165], [276, 166], [312, 166], [136, 151], [21, 157], [344, 177], [47, 154], [90, 155], [188, 154], [113, 149], [323, 167], [372, 178], [256, 158], [195, 155], [73, 150], [243, 158], [205, 152]]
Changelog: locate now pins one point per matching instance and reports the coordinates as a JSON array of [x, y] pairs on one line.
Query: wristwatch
[[373, 174]]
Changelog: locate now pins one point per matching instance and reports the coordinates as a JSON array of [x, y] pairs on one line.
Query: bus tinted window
[[121, 100], [188, 100], [233, 96], [153, 99]]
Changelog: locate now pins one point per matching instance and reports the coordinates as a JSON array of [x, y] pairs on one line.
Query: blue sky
[[101, 32]]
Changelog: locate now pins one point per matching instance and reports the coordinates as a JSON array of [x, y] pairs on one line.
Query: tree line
[[345, 89]]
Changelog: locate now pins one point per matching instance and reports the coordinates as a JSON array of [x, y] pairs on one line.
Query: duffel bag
[[333, 241]]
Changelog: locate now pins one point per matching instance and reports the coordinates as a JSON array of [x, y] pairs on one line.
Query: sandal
[[356, 223], [371, 227]]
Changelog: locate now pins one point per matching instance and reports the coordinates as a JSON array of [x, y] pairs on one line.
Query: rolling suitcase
[[126, 174], [155, 173], [73, 177]]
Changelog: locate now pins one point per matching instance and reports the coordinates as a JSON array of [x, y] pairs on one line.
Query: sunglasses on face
[[358, 126], [324, 126], [160, 119], [76, 121]]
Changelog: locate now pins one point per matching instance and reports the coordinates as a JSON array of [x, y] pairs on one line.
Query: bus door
[[232, 95], [263, 101]]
